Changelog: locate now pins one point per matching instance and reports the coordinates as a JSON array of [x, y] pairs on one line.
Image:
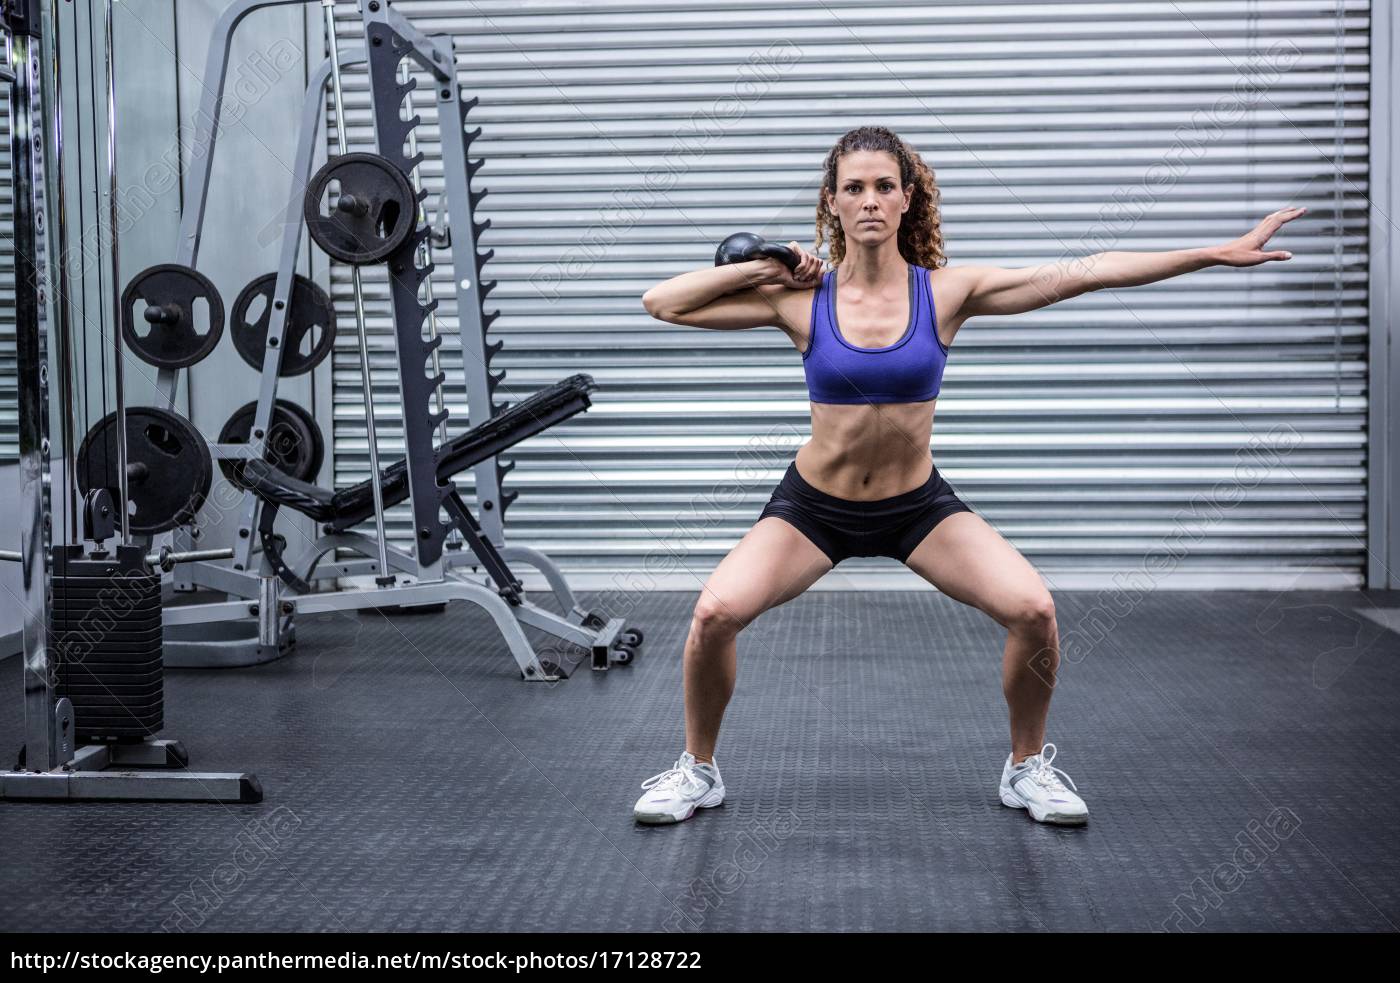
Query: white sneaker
[[675, 794], [1034, 785]]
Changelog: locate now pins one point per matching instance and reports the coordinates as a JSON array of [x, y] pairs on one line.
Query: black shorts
[[842, 528]]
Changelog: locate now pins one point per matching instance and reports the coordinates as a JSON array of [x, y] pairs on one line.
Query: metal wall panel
[[1209, 430]]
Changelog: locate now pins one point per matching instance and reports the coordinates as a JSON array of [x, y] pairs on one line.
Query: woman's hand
[[804, 277], [1248, 249]]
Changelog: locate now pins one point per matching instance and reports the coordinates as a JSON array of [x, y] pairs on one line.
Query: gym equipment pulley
[[309, 335], [168, 467], [359, 208], [168, 333]]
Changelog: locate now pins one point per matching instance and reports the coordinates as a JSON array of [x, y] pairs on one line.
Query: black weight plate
[[135, 590], [138, 687], [102, 614], [117, 651], [117, 720], [113, 666], [145, 693], [74, 602], [168, 464], [95, 626], [107, 717], [110, 703], [93, 642], [102, 619], [118, 666], [103, 608], [91, 631], [114, 703], [113, 649], [108, 595], [294, 444], [102, 669], [168, 293], [130, 583], [145, 725], [307, 338], [374, 211], [136, 692], [113, 677], [141, 726], [92, 728]]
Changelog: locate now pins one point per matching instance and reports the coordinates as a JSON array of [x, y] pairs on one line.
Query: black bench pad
[[351, 506]]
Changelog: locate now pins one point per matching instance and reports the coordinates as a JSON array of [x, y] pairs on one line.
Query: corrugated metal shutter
[[9, 390], [1215, 423]]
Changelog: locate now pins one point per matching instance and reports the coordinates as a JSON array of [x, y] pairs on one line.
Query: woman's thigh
[[771, 565], [965, 558]]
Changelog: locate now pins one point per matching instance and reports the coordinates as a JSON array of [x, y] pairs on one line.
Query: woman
[[874, 333]]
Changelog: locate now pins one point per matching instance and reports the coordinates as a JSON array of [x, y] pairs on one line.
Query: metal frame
[[53, 767], [302, 169], [1383, 472], [37, 213], [434, 566]]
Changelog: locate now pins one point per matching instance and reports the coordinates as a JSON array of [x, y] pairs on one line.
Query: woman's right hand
[[804, 277]]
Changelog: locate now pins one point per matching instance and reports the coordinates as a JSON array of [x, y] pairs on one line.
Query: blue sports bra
[[908, 371]]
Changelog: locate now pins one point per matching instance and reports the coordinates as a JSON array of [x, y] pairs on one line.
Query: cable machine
[[92, 659]]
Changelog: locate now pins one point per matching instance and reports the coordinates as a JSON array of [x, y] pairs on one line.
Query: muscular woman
[[874, 332]]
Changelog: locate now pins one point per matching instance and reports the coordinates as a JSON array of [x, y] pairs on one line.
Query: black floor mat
[[1232, 747]]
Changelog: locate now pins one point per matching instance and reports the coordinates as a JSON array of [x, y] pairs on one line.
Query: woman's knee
[[1031, 614], [713, 620]]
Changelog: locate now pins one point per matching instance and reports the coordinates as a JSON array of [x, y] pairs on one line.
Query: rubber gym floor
[[1232, 747]]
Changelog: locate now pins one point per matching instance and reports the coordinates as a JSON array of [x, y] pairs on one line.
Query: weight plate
[[294, 444], [117, 667], [309, 334], [359, 208], [71, 601], [169, 467], [170, 330], [126, 681]]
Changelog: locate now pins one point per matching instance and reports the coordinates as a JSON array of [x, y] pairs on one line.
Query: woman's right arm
[[738, 295]]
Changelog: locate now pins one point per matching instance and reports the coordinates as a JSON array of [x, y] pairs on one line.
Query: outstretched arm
[[992, 290]]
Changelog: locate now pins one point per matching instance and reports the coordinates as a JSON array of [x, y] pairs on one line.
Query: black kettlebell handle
[[744, 246]]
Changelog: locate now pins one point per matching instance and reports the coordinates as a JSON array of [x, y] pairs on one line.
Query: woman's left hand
[[1248, 249]]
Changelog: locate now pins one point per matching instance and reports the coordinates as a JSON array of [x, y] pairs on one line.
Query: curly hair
[[920, 229]]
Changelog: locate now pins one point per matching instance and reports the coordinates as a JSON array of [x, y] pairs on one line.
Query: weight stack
[[105, 642]]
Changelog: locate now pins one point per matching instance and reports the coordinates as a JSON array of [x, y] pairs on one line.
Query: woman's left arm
[[993, 290]]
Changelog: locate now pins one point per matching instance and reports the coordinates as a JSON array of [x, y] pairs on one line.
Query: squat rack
[[434, 566]]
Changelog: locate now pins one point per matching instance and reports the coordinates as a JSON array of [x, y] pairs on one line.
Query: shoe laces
[[1044, 774], [675, 777]]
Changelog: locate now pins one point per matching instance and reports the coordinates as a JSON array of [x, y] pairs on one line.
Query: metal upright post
[[36, 154], [109, 59], [385, 577], [425, 260], [473, 323]]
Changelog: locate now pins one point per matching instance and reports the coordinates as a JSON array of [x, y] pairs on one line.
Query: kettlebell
[[744, 246]]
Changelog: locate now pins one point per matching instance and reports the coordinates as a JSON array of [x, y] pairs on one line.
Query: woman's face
[[869, 199]]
